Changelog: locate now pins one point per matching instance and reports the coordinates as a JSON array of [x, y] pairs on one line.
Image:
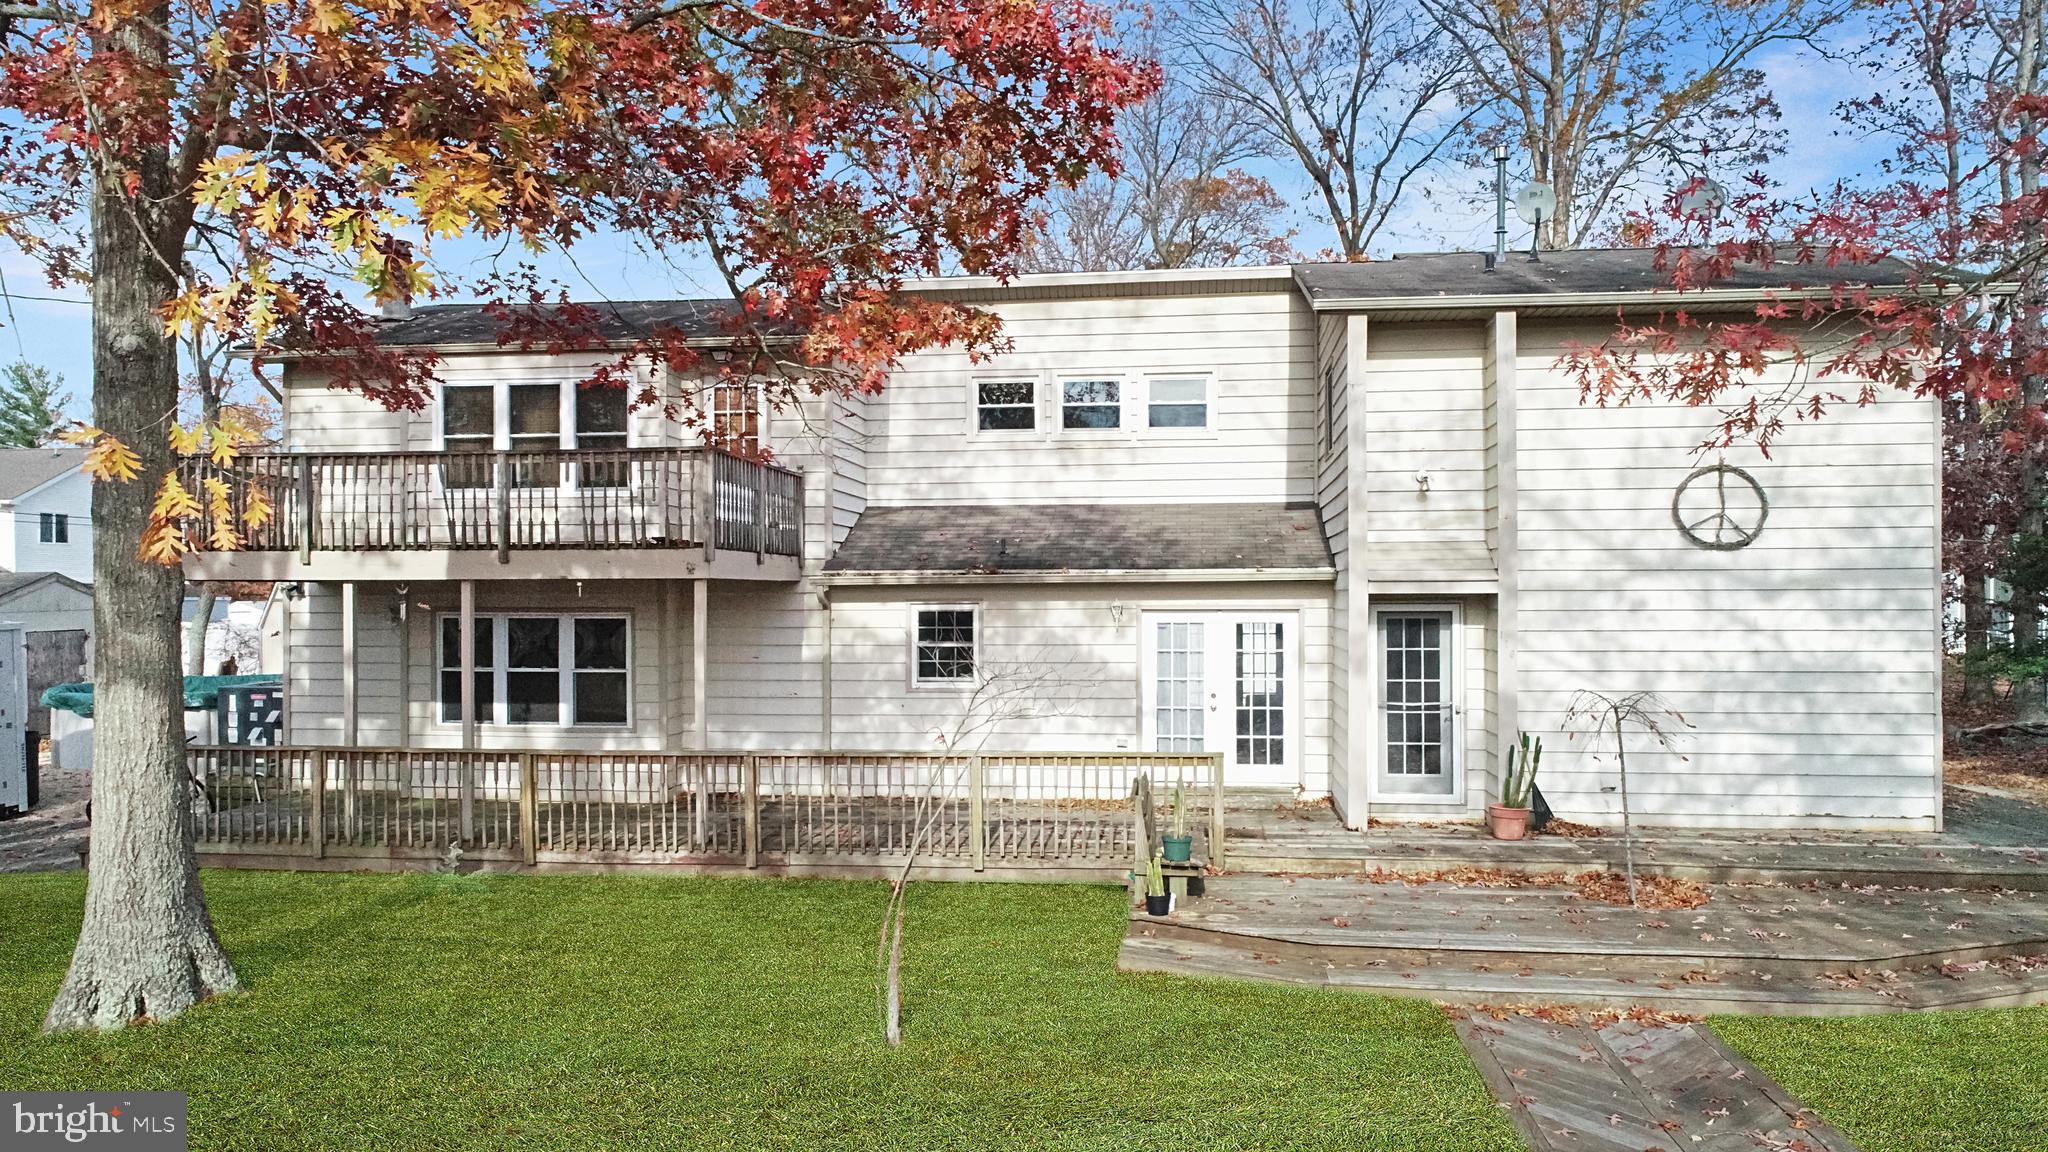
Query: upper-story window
[[522, 417], [1005, 405], [1091, 404], [1177, 402], [55, 528], [736, 418]]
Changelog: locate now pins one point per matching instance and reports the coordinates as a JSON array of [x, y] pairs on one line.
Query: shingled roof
[[443, 325], [23, 470], [1587, 271], [987, 540]]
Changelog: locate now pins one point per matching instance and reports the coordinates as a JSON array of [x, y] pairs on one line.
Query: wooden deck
[[1990, 842], [1629, 1087], [1774, 950]]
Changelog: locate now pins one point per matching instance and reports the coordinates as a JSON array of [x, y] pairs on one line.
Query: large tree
[[1612, 101], [1184, 198], [1357, 96], [229, 168]]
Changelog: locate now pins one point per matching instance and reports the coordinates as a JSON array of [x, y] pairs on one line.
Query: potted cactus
[[1509, 819], [1179, 845], [1157, 902]]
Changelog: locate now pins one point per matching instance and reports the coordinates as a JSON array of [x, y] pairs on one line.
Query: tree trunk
[[195, 632], [146, 949], [1976, 637]]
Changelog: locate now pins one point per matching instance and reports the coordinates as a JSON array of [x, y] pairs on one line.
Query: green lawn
[[441, 1012], [1921, 1082]]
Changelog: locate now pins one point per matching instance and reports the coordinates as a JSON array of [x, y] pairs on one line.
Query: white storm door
[[1418, 753], [1224, 682]]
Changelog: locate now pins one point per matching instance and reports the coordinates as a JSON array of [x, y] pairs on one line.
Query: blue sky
[[1458, 213]]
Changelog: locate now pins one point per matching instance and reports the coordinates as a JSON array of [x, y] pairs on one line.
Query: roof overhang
[[1088, 576], [1703, 300]]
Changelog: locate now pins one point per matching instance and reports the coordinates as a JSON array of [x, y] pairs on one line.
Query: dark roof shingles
[[1588, 270], [617, 321], [1083, 538]]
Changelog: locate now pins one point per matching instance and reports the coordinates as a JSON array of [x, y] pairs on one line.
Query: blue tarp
[[202, 693]]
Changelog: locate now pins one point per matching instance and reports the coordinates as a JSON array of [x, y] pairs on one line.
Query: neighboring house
[[55, 613], [1349, 525], [45, 512]]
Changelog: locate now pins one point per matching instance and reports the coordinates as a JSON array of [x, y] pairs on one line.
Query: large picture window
[[943, 645], [518, 417], [539, 669]]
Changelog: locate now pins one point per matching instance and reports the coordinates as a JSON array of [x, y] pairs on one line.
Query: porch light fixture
[[1116, 613]]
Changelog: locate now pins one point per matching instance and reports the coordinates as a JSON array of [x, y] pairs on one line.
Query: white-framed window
[[736, 418], [529, 417], [54, 528], [1178, 403], [943, 643], [537, 668], [1008, 404], [1091, 404]]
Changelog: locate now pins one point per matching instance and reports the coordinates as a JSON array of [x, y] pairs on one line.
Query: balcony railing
[[508, 501]]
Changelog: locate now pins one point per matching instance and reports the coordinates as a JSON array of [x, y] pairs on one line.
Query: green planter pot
[[1179, 849]]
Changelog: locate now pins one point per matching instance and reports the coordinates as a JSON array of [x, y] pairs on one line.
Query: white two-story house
[[1349, 525], [45, 512]]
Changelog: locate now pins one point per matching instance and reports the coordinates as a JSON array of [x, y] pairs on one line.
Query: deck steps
[[1751, 950]]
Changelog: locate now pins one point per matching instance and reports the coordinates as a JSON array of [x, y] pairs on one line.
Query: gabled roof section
[[23, 470], [619, 322], [13, 584], [1601, 277], [1013, 539]]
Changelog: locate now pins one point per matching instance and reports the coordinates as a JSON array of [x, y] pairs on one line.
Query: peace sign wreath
[[1722, 529]]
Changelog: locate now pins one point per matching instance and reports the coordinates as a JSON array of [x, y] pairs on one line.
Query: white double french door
[[1224, 682]]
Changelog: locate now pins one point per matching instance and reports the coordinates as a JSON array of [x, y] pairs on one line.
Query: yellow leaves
[[220, 506], [106, 458], [329, 19], [163, 541]]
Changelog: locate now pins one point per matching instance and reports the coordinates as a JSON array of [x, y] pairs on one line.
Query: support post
[[307, 520], [750, 776], [350, 693], [317, 819], [350, 766], [706, 501], [700, 662], [977, 807], [504, 526], [467, 636], [1216, 811], [760, 513], [529, 809]]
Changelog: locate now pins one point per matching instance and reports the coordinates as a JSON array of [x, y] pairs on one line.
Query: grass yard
[[430, 1011], [1921, 1082]]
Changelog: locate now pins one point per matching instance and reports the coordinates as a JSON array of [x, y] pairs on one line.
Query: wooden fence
[[989, 812]]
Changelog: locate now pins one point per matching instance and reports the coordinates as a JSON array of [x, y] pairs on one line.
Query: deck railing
[[508, 501], [973, 813]]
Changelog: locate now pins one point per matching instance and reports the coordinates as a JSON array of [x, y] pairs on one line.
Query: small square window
[[1178, 402], [1005, 405], [54, 527], [943, 649], [1091, 404]]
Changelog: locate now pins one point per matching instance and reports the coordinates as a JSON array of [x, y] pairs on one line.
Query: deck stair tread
[[1769, 949]]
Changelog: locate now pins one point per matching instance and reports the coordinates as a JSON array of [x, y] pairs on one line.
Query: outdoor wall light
[[1116, 613]]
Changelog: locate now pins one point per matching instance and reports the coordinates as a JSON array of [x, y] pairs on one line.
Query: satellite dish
[[1704, 199], [1535, 202]]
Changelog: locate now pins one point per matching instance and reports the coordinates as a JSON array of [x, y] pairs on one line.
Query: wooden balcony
[[520, 514]]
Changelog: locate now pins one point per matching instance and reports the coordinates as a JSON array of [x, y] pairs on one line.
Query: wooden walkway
[[1629, 1087], [1992, 841], [1756, 949]]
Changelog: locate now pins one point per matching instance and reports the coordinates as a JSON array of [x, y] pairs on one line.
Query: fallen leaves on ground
[[1651, 891], [1571, 830]]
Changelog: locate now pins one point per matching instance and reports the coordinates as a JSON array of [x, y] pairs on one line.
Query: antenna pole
[[1500, 203], [1535, 235]]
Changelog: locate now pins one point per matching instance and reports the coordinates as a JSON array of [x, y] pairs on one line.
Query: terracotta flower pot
[[1507, 823]]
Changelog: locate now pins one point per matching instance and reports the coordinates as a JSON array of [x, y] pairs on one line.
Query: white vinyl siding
[[1807, 662], [1254, 347]]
